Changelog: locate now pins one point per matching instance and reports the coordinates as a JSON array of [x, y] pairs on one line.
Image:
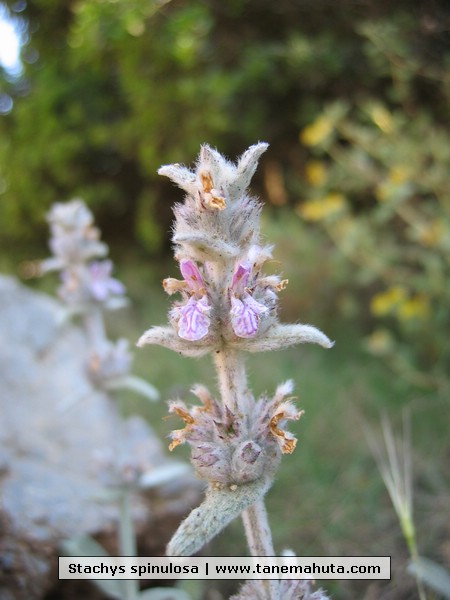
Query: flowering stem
[[410, 537], [233, 387], [232, 377], [94, 326], [259, 538], [257, 529], [126, 533], [228, 307], [127, 540]]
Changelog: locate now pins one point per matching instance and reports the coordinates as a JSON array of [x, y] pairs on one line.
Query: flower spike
[[228, 306]]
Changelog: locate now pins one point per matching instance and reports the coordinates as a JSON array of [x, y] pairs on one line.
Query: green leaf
[[161, 593], [135, 384], [432, 574], [162, 475], [84, 545]]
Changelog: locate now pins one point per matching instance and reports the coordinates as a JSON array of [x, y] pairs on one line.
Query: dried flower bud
[[247, 462]]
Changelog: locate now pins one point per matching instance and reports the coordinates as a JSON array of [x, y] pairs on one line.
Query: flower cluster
[[76, 247], [230, 449], [87, 289], [249, 300], [225, 297]]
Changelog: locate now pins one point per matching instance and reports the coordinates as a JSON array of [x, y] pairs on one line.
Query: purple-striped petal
[[194, 321], [245, 315], [101, 285]]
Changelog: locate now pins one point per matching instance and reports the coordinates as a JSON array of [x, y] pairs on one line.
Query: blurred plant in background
[[111, 89], [379, 186], [88, 290], [394, 459]]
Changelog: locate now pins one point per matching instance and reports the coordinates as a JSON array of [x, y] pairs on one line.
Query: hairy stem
[[259, 539], [232, 377], [257, 529]]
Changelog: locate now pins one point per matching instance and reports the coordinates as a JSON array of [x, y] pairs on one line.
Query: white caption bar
[[225, 567]]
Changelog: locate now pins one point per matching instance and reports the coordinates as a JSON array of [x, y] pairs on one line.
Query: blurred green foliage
[[111, 89]]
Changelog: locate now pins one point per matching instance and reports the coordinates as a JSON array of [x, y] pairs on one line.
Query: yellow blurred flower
[[317, 132], [392, 185], [399, 174], [382, 118], [316, 172], [395, 300], [383, 191], [385, 302], [433, 233], [417, 307], [320, 208]]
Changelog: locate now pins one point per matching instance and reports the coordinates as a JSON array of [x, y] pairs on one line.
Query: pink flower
[[245, 310], [193, 319], [101, 285]]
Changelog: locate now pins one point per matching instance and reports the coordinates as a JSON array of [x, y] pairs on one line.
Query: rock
[[61, 441]]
